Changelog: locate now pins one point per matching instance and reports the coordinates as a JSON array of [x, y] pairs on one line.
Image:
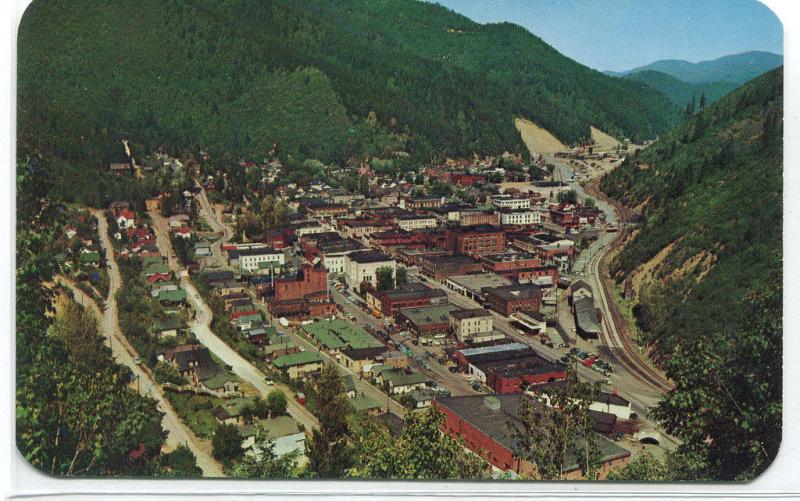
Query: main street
[[201, 327], [177, 432]]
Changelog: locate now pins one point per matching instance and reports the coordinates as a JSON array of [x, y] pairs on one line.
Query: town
[[458, 300]]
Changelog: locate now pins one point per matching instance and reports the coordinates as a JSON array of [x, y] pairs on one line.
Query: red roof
[[185, 230], [127, 214], [157, 277], [238, 314]]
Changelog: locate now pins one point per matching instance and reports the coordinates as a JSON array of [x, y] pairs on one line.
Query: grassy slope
[[717, 194], [680, 92], [203, 74]]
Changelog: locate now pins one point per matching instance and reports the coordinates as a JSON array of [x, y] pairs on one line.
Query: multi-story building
[[519, 217], [309, 280], [254, 259], [409, 223], [412, 295], [362, 266], [412, 203], [508, 299], [477, 217], [441, 267], [473, 326], [509, 202], [476, 240]]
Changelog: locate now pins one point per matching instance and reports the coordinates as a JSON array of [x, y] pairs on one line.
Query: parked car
[[453, 369], [564, 360]]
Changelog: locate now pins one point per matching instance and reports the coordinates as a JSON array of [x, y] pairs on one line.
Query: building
[[509, 368], [399, 381], [586, 324], [332, 251], [356, 359], [440, 267], [612, 403], [299, 364], [487, 425], [474, 325], [125, 219], [476, 217], [309, 280], [509, 202], [414, 203], [472, 285], [508, 299], [283, 431], [362, 266], [252, 259], [475, 241], [416, 222], [532, 321], [411, 295], [509, 263], [428, 321], [519, 217]]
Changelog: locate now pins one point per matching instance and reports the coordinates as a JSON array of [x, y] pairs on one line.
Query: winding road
[[201, 327], [123, 352]]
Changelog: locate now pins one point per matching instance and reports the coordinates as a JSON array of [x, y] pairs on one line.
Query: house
[[184, 232], [126, 219], [202, 249], [397, 381], [120, 168], [422, 398], [283, 431], [299, 364], [168, 326], [473, 325], [365, 403], [487, 425], [172, 297], [90, 258], [356, 359], [229, 412]]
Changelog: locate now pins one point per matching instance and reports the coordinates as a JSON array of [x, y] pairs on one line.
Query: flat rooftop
[[479, 281], [439, 314]]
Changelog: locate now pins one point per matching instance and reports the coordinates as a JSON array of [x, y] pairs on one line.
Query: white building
[[472, 325], [509, 202], [362, 266], [409, 223], [520, 217], [252, 259]]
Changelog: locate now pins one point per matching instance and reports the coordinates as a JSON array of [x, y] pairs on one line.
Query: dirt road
[[201, 327], [123, 352]]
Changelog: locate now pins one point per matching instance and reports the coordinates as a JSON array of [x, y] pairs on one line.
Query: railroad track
[[621, 345]]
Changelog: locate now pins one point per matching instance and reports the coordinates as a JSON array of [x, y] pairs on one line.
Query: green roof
[[276, 427], [349, 384], [167, 323], [271, 331], [398, 377], [300, 358], [255, 317], [174, 296], [263, 265], [156, 268], [338, 333], [90, 257], [150, 260], [217, 380], [364, 403]]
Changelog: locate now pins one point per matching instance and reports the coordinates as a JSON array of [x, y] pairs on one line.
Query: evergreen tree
[[329, 451]]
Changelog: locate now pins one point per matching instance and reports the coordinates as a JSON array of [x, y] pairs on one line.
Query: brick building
[[486, 423], [441, 267], [412, 295], [476, 240], [309, 280], [508, 299]]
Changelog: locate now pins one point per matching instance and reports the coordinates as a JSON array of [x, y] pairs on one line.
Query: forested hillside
[[679, 92], [707, 266], [325, 80], [711, 196]]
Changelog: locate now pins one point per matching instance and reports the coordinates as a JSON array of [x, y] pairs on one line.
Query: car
[[596, 368], [269, 382], [453, 369], [137, 360], [476, 386], [431, 383], [574, 350], [564, 360], [606, 382]]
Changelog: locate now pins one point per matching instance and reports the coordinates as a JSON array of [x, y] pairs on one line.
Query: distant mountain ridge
[[735, 68], [680, 92]]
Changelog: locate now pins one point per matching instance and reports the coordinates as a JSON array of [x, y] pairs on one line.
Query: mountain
[[710, 193], [737, 68], [327, 80], [678, 91]]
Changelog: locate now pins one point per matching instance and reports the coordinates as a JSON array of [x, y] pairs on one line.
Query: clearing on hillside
[[538, 140], [602, 141]]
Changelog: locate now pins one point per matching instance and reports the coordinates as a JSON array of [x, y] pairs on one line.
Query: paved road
[[216, 223], [201, 327], [177, 432]]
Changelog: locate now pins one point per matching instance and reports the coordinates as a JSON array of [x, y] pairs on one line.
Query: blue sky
[[623, 34]]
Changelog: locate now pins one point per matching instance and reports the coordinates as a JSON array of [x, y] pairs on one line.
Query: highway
[[177, 432]]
